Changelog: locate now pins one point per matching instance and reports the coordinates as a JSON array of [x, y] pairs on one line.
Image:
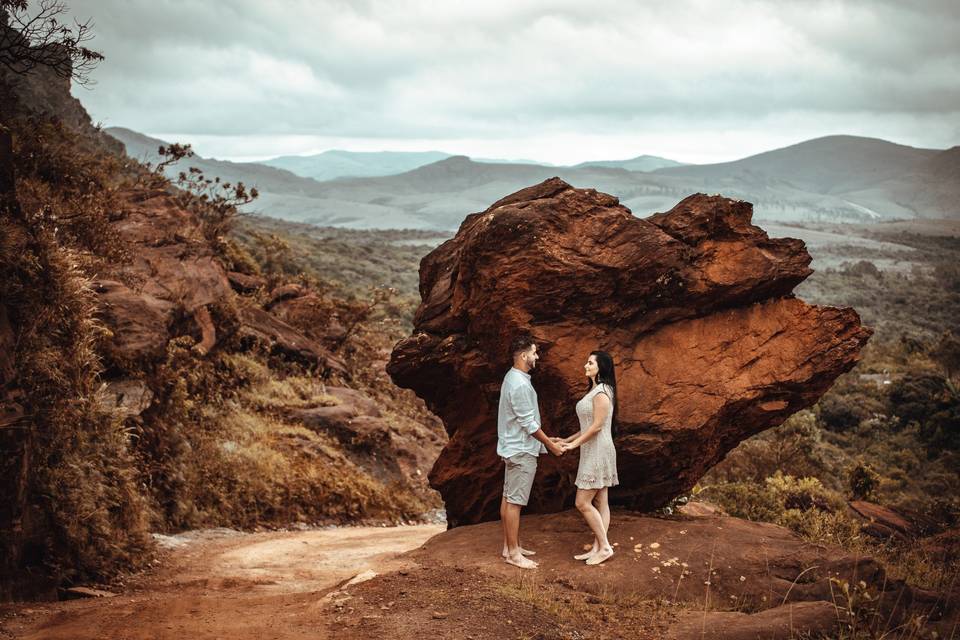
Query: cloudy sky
[[561, 81]]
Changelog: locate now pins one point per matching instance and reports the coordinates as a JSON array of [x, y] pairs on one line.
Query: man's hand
[[555, 449]]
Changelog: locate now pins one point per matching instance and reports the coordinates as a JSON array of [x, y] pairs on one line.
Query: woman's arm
[[601, 407]]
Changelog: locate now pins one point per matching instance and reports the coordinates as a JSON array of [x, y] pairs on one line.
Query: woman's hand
[[569, 446]]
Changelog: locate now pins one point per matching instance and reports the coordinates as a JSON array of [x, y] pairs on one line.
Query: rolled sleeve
[[523, 401]]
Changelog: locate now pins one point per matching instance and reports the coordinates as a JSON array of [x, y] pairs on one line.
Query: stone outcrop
[[694, 305], [720, 567], [886, 522], [172, 281], [383, 445], [818, 619], [261, 325], [126, 398], [172, 273]]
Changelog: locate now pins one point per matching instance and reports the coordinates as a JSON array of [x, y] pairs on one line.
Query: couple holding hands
[[521, 440]]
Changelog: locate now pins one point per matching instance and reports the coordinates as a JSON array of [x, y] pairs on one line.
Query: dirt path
[[228, 585]]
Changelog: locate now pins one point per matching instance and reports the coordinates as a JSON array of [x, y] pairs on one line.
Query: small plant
[[215, 203], [857, 607], [863, 481], [361, 312]]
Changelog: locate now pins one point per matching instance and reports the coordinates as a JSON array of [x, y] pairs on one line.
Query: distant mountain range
[[832, 179], [640, 163], [336, 163]]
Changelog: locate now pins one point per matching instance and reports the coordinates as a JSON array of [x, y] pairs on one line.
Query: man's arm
[[523, 401], [551, 446]]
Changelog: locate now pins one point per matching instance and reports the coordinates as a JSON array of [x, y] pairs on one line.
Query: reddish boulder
[[285, 292], [138, 321], [170, 255], [245, 284], [257, 324], [818, 619], [695, 306], [886, 522]]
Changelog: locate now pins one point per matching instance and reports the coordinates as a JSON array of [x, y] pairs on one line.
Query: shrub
[[76, 469], [933, 404], [841, 412], [863, 481]]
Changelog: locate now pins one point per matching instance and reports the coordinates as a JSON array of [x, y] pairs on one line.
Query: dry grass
[[79, 471]]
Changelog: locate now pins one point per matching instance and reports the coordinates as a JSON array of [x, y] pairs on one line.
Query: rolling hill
[[640, 163], [337, 163], [832, 179]]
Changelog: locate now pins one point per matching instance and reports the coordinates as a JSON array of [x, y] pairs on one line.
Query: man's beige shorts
[[518, 477]]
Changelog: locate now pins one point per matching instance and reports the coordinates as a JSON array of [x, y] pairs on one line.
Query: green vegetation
[[351, 261], [888, 431]]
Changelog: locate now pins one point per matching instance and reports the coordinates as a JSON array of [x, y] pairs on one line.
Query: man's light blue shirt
[[518, 417]]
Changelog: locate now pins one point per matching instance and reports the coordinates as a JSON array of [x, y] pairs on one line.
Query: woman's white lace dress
[[598, 458]]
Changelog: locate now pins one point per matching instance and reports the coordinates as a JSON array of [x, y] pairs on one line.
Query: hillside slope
[[156, 375], [831, 179]]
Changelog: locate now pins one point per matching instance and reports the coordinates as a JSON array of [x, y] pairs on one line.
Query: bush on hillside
[[933, 404], [76, 465]]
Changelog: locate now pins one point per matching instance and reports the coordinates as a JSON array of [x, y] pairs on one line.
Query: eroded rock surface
[[722, 568], [694, 305]]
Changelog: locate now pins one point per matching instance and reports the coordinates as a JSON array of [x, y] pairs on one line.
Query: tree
[[29, 40], [947, 354]]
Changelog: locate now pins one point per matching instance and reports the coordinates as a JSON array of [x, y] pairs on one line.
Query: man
[[520, 440]]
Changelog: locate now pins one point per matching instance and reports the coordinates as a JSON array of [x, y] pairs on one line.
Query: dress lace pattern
[[598, 457]]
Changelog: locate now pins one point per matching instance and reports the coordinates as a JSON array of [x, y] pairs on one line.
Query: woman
[[598, 458]]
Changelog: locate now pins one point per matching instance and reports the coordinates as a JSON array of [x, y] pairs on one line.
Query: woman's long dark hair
[[606, 375]]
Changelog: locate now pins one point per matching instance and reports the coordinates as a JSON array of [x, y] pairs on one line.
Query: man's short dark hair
[[521, 343]]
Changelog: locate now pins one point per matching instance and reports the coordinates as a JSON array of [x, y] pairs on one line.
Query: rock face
[[694, 305]]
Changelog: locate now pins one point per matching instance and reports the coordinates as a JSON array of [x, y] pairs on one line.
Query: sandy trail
[[265, 585]]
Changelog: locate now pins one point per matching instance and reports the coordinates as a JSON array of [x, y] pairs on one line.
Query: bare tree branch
[[29, 40]]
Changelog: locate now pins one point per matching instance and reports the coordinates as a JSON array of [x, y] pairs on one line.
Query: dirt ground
[[679, 577], [227, 585], [321, 584]]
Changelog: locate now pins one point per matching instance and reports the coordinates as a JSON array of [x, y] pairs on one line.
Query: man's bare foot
[[525, 552], [587, 555], [518, 560], [600, 556]]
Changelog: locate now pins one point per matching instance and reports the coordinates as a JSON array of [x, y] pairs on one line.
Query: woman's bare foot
[[600, 556], [518, 560], [587, 555], [525, 552]]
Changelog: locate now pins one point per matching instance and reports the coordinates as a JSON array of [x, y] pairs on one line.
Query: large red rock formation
[[695, 306]]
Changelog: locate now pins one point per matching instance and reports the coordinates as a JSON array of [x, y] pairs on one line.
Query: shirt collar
[[523, 373]]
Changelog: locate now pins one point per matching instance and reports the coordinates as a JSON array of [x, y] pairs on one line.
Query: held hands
[[561, 446]]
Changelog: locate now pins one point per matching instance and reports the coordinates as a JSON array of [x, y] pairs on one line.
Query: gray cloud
[[435, 72]]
